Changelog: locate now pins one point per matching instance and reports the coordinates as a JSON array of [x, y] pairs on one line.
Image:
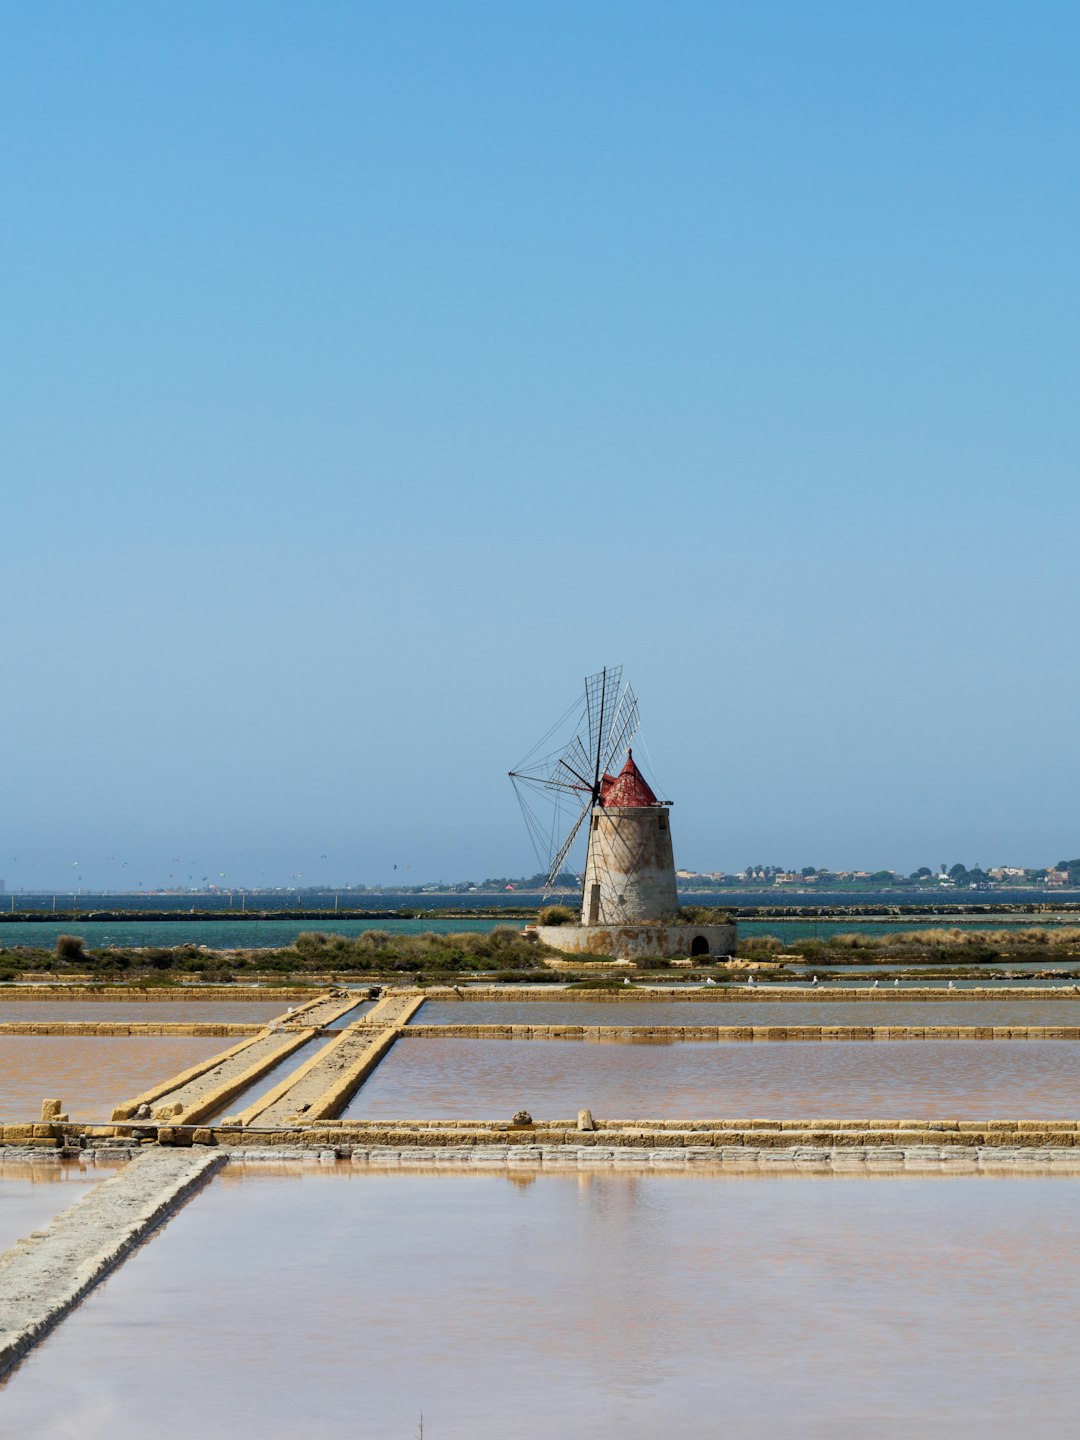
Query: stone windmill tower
[[630, 867], [629, 901]]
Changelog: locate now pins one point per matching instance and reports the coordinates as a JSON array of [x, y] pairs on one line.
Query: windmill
[[557, 788], [629, 895]]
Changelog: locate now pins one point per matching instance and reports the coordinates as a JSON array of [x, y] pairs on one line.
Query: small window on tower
[[595, 821], [663, 819]]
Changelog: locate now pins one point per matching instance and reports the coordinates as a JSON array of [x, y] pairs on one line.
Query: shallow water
[[848, 1079], [235, 1012], [738, 1012], [91, 1074], [615, 1306], [32, 1193]]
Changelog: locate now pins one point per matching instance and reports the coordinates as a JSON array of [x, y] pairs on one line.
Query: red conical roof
[[628, 788]]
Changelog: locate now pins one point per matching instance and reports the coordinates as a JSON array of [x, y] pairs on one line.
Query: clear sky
[[372, 372]]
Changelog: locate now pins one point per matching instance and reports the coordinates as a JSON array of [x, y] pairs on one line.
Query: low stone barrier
[[320, 1012], [323, 1086], [203, 1088], [713, 1135], [42, 1278], [670, 1034]]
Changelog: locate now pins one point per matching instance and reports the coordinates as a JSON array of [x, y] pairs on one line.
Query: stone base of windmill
[[641, 942]]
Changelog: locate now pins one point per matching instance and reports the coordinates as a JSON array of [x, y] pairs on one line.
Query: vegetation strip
[[42, 1278]]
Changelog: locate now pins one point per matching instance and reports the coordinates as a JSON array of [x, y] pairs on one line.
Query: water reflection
[[957, 1079], [32, 1193], [601, 1305]]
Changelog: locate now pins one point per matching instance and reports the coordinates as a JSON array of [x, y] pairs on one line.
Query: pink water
[[32, 1193], [239, 1012], [738, 1012], [91, 1074], [602, 1305], [553, 1079]]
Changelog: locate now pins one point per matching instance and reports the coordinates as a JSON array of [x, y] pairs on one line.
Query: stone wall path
[[44, 1276]]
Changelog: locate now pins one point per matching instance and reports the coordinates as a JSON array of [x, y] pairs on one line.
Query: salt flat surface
[[616, 1306], [848, 1079]]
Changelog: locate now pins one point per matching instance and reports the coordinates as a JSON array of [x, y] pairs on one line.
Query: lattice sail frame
[[565, 781]]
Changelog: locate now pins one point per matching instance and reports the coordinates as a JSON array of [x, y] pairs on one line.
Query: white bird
[[709, 980], [814, 980], [626, 980], [876, 984], [895, 984], [951, 985]]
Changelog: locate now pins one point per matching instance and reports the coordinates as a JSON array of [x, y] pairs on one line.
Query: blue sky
[[373, 372]]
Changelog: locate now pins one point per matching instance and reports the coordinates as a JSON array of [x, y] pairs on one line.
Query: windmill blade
[[546, 782], [623, 729], [574, 765], [564, 849], [601, 699]]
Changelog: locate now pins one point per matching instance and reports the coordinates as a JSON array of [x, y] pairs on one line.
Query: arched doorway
[[699, 946]]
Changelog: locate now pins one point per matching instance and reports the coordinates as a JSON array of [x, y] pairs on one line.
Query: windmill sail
[[556, 790]]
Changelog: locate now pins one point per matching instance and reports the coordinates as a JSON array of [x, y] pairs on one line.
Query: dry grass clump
[[758, 945], [379, 951], [703, 915], [557, 915]]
